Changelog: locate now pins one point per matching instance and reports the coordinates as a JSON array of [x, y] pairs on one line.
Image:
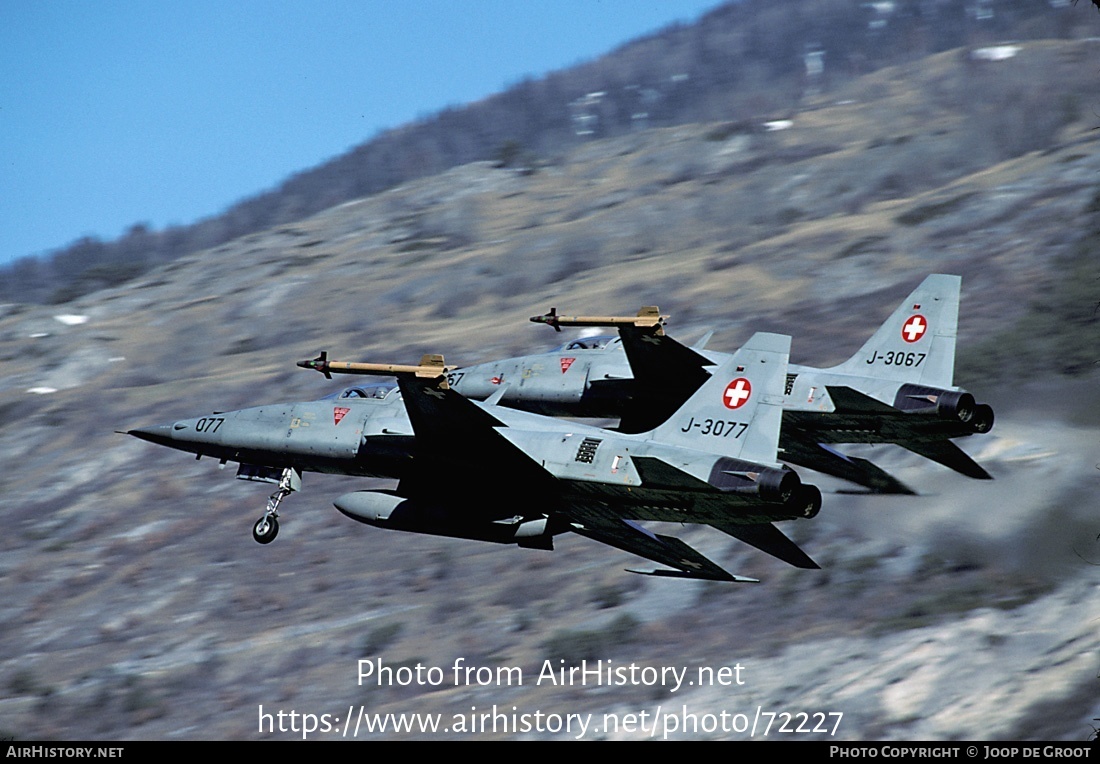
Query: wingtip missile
[[648, 317], [320, 363], [550, 319], [431, 366]]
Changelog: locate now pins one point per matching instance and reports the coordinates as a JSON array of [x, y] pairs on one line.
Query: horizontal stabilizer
[[690, 564], [851, 401], [949, 455], [767, 538], [659, 474], [681, 574], [667, 550]]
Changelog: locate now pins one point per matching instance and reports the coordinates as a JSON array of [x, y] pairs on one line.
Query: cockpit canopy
[[374, 390], [587, 343]]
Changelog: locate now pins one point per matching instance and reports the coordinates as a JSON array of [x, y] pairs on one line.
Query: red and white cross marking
[[737, 393], [914, 328]]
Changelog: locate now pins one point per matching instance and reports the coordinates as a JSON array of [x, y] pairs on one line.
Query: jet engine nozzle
[[777, 485], [805, 502], [771, 485], [955, 405], [982, 421]]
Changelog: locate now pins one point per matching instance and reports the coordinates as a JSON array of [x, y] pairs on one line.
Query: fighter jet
[[481, 471], [898, 388]]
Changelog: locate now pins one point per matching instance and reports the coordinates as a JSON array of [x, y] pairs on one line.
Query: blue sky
[[117, 112]]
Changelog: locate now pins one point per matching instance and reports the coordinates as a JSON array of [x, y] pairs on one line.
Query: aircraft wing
[[454, 431], [605, 527], [455, 439], [666, 374], [767, 538]]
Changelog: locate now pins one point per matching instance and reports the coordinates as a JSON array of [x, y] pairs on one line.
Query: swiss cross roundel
[[913, 329], [736, 393]]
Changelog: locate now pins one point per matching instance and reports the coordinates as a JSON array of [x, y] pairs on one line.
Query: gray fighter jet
[[897, 389], [482, 471]]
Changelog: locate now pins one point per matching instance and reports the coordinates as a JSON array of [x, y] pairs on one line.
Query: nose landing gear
[[267, 527]]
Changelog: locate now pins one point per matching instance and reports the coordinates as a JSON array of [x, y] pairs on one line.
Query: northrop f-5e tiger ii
[[898, 388], [478, 470]]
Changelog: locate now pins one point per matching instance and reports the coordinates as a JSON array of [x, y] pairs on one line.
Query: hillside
[[135, 605], [743, 62]]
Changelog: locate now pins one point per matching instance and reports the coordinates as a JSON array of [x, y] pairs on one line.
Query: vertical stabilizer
[[917, 342], [738, 410]]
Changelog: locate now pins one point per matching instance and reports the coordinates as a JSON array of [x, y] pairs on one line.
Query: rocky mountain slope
[[134, 604]]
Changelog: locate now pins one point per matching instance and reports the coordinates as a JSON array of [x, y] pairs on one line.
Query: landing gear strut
[[267, 527]]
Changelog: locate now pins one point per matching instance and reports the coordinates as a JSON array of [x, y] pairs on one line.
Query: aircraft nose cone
[[160, 434]]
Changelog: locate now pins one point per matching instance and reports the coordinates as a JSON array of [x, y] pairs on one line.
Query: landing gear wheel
[[266, 529]]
